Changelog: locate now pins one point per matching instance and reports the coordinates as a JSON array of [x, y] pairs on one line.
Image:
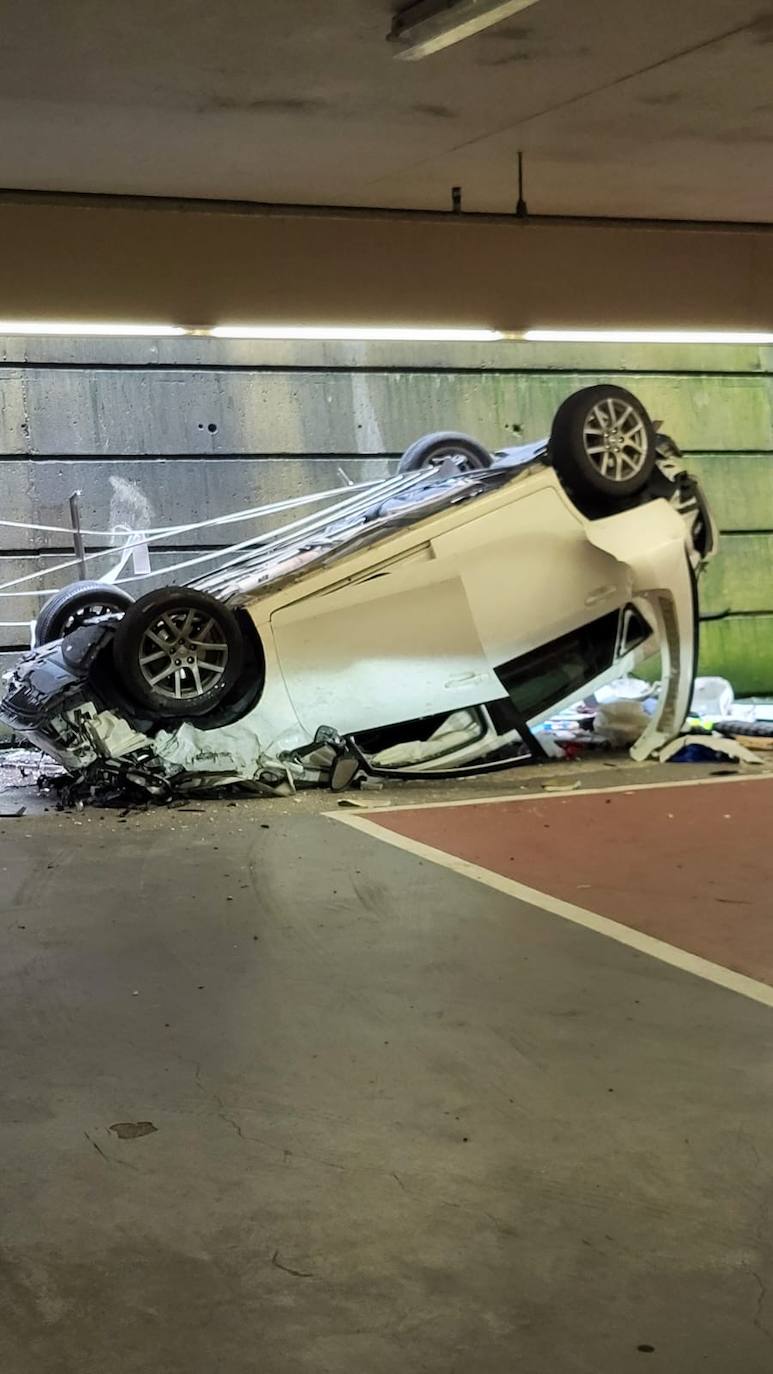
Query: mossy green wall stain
[[739, 648]]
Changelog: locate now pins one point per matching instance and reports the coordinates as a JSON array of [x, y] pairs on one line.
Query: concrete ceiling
[[623, 107]]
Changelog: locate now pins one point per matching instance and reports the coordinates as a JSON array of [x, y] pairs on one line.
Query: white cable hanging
[[356, 502], [164, 531], [306, 524], [167, 532]]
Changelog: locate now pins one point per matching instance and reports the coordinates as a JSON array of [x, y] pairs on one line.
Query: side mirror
[[343, 772]]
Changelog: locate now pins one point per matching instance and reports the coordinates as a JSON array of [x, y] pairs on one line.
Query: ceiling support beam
[[203, 264]]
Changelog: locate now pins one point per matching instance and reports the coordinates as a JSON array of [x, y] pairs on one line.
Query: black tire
[[76, 603], [613, 463], [430, 451], [248, 688], [169, 673]]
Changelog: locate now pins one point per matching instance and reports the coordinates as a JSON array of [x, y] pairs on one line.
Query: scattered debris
[[606, 722], [625, 689], [21, 767], [107, 784], [712, 696], [620, 723], [764, 743]]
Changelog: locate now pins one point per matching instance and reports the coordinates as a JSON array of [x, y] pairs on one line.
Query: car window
[[539, 679]]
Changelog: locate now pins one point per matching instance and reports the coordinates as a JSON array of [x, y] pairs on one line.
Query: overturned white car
[[427, 626]]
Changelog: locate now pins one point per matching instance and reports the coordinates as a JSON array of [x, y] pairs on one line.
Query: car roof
[[365, 517]]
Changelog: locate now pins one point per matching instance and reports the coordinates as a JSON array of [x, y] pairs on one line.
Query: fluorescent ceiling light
[[655, 336], [352, 332], [427, 26], [77, 327]]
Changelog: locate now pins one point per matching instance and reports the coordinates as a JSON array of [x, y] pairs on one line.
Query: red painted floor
[[690, 865]]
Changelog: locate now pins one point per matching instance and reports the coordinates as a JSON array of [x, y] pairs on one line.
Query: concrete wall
[[183, 429]]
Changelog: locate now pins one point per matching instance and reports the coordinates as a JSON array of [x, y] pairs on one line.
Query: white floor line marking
[[559, 794], [602, 925]]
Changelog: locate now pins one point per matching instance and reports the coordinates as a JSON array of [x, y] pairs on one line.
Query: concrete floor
[[403, 1122]]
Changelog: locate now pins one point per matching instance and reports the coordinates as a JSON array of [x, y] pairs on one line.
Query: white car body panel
[[655, 549], [529, 563], [436, 618], [412, 628]]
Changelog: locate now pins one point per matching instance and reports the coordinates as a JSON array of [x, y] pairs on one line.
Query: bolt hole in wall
[[113, 417]]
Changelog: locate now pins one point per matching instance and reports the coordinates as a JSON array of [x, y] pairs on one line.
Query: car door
[[530, 573], [397, 642]]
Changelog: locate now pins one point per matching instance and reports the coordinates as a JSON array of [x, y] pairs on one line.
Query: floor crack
[[223, 1116], [287, 1154], [761, 1297], [110, 1159], [296, 1273]]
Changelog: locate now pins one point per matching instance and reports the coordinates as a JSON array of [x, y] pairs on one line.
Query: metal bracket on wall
[[77, 537]]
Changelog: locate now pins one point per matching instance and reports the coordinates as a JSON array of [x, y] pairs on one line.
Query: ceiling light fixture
[[68, 327], [647, 336], [427, 26], [365, 333]]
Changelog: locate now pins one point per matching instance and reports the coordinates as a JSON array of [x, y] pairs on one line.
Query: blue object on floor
[[698, 753]]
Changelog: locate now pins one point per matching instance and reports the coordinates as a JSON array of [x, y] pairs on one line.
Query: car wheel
[[603, 443], [178, 652], [248, 688], [76, 603], [431, 450]]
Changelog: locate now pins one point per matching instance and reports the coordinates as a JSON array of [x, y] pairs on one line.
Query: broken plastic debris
[[762, 742], [620, 722], [625, 689], [712, 696]]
